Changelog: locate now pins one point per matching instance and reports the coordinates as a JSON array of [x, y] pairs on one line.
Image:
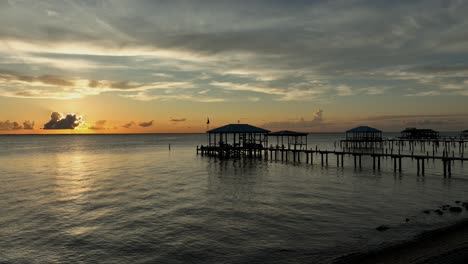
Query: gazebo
[[290, 139], [416, 133], [238, 135], [364, 134]]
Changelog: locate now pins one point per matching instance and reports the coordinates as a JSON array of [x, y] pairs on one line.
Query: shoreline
[[448, 245]]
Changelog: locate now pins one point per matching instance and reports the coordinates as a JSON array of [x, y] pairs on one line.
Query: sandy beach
[[447, 245]]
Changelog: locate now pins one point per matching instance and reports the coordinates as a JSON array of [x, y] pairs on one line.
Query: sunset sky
[[165, 66]]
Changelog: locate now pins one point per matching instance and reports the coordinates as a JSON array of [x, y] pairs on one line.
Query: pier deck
[[283, 154]]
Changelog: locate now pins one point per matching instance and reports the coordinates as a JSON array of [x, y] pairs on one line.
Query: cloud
[[178, 119], [7, 125], [344, 90], [28, 125], [295, 51], [128, 125], [99, 125], [316, 120], [58, 121], [146, 124]]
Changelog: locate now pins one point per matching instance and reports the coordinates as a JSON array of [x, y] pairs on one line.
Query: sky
[[126, 66]]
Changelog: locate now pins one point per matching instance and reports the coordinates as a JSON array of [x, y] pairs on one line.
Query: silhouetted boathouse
[[289, 139], [238, 135], [363, 136], [464, 134], [364, 133], [416, 133]]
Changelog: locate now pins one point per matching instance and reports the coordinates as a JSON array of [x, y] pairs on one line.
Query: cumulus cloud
[[99, 125], [58, 121], [146, 124], [28, 125]]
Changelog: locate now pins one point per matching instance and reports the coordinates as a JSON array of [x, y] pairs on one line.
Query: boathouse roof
[[287, 133], [238, 128], [363, 129]]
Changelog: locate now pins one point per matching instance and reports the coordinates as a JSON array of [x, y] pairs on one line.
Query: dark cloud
[[8, 76], [28, 125], [178, 119], [99, 125], [125, 85], [54, 80], [7, 125], [57, 121], [93, 83], [146, 124], [128, 125]]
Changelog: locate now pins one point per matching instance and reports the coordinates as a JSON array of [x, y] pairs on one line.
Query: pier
[[252, 142], [307, 156]]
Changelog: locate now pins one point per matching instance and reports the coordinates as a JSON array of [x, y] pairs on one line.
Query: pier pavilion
[[416, 133], [238, 135], [364, 133], [363, 136], [289, 139], [236, 140]]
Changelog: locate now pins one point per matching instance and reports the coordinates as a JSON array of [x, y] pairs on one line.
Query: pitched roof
[[238, 128], [363, 129], [287, 133]]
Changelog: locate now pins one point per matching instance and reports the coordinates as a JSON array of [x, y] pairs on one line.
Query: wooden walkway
[[282, 154]]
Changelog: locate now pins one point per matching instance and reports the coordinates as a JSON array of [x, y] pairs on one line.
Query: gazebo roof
[[365, 129], [412, 129], [287, 133], [238, 128]]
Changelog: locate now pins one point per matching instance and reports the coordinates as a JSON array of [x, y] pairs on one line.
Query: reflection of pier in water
[[252, 142]]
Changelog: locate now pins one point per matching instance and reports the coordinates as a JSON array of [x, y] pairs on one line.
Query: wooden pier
[[243, 140], [284, 154]]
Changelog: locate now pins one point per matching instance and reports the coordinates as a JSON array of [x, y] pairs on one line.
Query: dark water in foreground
[[126, 198]]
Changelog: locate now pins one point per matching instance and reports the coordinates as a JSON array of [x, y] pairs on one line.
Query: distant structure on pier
[[290, 139], [416, 133], [364, 134], [238, 135], [464, 134]]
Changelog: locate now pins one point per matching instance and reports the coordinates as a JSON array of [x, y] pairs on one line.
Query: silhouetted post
[[169, 147], [422, 166], [417, 160], [445, 167], [449, 168]]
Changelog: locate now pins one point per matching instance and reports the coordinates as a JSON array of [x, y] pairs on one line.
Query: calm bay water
[[127, 198]]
